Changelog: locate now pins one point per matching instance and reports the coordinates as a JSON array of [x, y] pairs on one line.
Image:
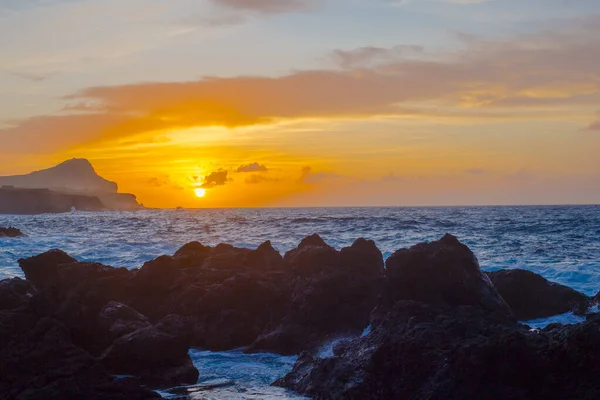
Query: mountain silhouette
[[75, 175], [73, 183]]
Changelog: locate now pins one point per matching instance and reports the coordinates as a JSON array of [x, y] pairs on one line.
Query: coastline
[[225, 298]]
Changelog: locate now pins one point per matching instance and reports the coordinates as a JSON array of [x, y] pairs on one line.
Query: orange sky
[[480, 116]]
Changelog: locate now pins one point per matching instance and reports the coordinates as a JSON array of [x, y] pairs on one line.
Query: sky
[[263, 103]]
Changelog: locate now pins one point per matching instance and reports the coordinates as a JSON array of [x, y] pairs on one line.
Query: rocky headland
[[73, 184], [439, 327]]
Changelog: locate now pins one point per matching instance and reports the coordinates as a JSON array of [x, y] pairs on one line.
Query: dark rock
[[264, 258], [311, 256], [531, 296], [422, 351], [15, 293], [39, 361], [334, 300], [76, 293], [157, 357], [192, 254], [444, 272], [42, 270], [10, 232], [118, 320]]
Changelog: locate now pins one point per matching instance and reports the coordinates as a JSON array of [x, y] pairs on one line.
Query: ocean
[[561, 243]]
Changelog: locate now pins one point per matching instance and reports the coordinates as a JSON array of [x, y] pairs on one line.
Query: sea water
[[561, 243]]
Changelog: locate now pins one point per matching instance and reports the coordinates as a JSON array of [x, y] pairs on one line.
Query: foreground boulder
[[333, 295], [42, 270], [39, 361], [157, 357], [530, 296], [88, 299], [421, 351], [10, 232], [444, 273]]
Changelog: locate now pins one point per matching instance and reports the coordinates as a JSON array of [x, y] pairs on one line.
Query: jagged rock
[[421, 351], [76, 293], [444, 272], [334, 300], [39, 361], [15, 293], [118, 320], [530, 296], [311, 256], [42, 270], [157, 357], [10, 232]]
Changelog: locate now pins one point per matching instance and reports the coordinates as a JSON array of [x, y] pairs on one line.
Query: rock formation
[[10, 232], [439, 328], [71, 184], [531, 296]]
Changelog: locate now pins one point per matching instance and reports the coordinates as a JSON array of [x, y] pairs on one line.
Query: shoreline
[[225, 298]]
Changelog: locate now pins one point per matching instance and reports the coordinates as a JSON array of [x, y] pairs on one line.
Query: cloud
[[308, 177], [476, 171], [162, 182], [364, 57], [267, 6], [511, 76], [594, 126], [234, 12], [254, 167], [216, 178], [31, 76], [256, 179]]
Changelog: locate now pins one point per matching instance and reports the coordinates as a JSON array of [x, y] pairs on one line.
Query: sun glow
[[200, 192]]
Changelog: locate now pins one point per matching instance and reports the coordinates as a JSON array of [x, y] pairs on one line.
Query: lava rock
[[157, 357], [332, 297], [420, 351], [11, 232], [530, 296], [15, 293], [39, 361], [42, 270], [444, 272], [119, 320]]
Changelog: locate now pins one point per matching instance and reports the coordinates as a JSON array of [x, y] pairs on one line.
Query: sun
[[200, 192]]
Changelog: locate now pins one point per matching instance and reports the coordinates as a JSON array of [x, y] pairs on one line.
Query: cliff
[[73, 183], [42, 201]]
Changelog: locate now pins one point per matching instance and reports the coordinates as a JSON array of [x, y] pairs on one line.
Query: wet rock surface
[[531, 296], [420, 351], [444, 272], [10, 232]]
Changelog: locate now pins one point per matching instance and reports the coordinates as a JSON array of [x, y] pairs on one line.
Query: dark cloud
[[216, 178], [254, 167]]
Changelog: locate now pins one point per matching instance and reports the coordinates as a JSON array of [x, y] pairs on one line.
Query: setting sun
[[200, 192]]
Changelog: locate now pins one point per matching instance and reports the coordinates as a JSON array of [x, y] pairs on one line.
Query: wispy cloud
[[366, 57], [268, 6], [512, 76]]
